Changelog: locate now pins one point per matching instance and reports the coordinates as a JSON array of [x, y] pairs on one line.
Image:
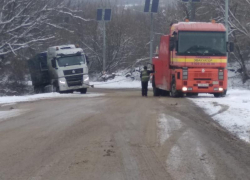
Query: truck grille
[[203, 76], [74, 80], [73, 71]]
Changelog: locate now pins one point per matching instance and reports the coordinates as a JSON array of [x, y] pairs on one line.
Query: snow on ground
[[231, 112], [11, 113], [16, 99], [119, 82], [167, 125], [122, 82]]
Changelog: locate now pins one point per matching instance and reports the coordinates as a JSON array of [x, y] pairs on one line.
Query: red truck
[[192, 59]]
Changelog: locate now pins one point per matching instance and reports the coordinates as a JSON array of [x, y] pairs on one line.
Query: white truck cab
[[68, 68]]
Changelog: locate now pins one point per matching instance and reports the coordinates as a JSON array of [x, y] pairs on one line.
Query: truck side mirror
[[87, 59], [171, 44], [150, 66], [176, 46], [53, 63]]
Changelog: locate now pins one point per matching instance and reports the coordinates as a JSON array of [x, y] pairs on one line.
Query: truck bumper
[[64, 85], [202, 80], [203, 87]]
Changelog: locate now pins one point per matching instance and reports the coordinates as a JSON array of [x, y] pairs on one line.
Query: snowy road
[[118, 136]]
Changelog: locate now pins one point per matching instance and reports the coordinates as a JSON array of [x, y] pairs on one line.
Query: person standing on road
[[145, 76]]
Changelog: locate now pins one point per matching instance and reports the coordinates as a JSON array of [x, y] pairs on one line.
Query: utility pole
[[104, 46], [226, 23], [151, 36], [226, 18], [104, 15], [104, 41], [151, 6], [192, 11], [191, 8]]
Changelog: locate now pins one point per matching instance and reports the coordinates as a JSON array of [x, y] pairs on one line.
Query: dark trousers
[[144, 88]]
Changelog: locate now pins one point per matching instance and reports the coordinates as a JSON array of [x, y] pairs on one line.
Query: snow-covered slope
[[123, 80], [119, 82], [231, 112]]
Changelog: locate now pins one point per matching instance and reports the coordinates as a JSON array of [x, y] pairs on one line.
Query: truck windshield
[[202, 43], [71, 60]]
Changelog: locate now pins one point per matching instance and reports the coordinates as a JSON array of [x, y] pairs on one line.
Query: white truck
[[61, 69]]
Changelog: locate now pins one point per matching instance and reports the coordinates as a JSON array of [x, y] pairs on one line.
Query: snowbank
[[231, 112], [15, 99], [121, 82]]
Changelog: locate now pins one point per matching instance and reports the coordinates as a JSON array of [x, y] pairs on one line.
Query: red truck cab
[[192, 60]]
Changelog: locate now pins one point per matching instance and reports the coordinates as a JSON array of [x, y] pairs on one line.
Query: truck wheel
[[174, 92], [217, 95], [157, 92], [36, 89], [165, 93], [55, 88], [192, 94], [224, 93], [83, 91]]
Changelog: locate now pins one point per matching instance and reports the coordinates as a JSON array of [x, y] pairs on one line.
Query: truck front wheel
[[218, 95], [83, 91]]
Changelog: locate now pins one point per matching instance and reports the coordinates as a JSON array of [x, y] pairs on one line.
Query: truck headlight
[[221, 89], [184, 89], [86, 78], [62, 81]]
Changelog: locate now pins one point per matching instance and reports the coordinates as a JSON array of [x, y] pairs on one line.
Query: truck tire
[[224, 93], [156, 91], [83, 91], [38, 89], [165, 93], [174, 92], [218, 95], [192, 94]]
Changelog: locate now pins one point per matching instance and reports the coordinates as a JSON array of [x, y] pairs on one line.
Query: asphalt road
[[119, 136]]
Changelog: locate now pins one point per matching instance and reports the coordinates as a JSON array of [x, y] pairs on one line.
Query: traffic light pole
[[151, 37]]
